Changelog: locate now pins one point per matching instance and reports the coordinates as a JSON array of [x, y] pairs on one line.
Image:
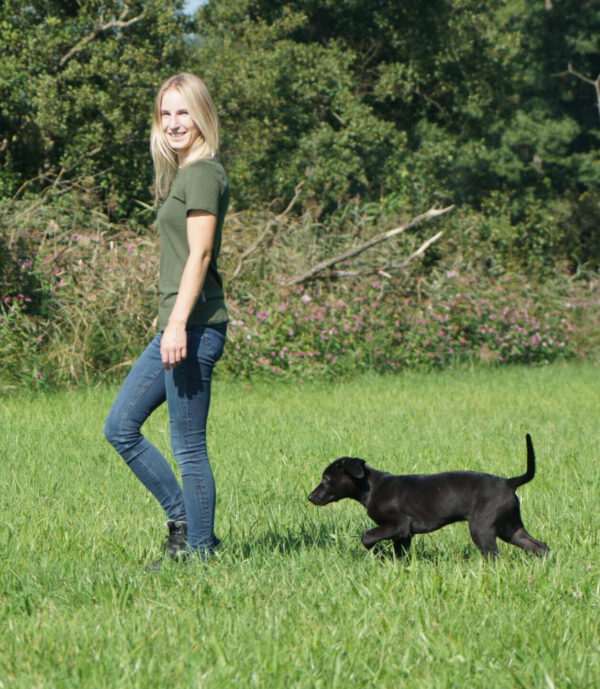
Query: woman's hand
[[173, 345]]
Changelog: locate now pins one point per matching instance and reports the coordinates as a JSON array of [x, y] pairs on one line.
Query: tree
[[76, 90], [372, 97]]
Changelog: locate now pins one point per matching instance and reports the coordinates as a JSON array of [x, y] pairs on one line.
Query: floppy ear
[[354, 466]]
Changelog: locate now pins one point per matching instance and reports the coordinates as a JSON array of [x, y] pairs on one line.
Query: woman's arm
[[201, 228]]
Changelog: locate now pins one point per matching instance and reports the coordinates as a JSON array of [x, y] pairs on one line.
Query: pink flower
[[263, 315]]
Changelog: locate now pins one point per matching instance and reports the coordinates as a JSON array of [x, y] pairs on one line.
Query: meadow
[[293, 600]]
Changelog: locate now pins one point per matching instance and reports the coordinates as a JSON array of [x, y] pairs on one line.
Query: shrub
[[383, 327], [81, 302]]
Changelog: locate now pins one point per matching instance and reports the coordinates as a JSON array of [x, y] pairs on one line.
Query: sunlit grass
[[293, 600]]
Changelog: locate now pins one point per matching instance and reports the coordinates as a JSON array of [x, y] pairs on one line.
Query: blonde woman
[[177, 366]]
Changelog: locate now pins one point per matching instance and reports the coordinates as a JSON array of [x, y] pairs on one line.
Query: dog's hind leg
[[485, 539], [517, 535]]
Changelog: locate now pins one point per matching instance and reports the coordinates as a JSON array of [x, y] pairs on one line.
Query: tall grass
[[293, 600]]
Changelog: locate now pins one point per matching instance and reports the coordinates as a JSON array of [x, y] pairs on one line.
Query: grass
[[293, 600]]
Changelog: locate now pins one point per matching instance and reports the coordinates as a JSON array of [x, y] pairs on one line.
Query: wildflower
[[263, 315]]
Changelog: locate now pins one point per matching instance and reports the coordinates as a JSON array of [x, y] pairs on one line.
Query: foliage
[[99, 305], [426, 100], [99, 286], [76, 88], [384, 328], [381, 109]]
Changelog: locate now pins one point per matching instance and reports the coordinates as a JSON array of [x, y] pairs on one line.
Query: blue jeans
[[186, 389]]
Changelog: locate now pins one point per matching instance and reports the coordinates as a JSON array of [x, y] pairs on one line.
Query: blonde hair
[[204, 115]]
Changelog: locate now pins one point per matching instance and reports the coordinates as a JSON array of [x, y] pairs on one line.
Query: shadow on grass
[[340, 540], [293, 540]]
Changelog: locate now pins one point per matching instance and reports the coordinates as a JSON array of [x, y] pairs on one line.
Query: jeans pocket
[[213, 342]]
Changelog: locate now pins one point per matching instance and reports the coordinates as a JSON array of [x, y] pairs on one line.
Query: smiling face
[[180, 130]]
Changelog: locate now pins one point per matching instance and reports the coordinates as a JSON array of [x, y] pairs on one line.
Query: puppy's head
[[343, 478]]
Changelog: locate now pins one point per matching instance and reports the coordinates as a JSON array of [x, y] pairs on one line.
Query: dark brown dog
[[420, 503]]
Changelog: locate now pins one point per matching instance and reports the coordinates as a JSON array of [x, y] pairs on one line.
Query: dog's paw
[[368, 541]]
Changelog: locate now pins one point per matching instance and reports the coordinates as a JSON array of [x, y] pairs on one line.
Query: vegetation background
[[342, 119]]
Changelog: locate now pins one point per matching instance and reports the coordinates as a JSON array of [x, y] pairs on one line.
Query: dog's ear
[[354, 466]]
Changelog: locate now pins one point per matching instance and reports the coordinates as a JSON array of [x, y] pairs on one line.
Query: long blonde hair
[[204, 115]]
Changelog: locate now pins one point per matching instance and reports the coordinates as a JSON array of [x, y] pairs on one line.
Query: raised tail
[[517, 481]]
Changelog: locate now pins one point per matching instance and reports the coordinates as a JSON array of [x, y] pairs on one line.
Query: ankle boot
[[174, 544], [176, 540]]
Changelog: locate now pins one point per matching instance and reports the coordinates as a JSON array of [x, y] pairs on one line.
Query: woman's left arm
[[201, 228]]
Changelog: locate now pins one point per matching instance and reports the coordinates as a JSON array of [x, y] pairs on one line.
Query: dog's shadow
[[292, 540], [323, 537]]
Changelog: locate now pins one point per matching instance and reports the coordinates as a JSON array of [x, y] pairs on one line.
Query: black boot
[[176, 540], [175, 543]]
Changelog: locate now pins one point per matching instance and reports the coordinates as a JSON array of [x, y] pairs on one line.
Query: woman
[[177, 366]]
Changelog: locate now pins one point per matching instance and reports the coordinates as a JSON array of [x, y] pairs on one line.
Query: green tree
[[412, 102], [290, 109], [77, 80]]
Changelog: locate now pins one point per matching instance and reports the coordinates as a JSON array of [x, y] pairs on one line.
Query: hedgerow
[[79, 304]]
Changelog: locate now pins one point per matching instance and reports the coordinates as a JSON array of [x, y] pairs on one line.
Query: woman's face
[[177, 124]]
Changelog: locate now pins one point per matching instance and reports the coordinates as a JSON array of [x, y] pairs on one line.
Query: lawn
[[293, 600]]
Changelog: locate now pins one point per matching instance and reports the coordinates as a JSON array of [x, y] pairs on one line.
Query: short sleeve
[[202, 189]]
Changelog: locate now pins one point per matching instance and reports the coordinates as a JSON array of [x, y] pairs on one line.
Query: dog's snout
[[320, 496], [313, 496]]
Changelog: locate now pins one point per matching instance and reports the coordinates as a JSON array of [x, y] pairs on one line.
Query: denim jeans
[[186, 389]]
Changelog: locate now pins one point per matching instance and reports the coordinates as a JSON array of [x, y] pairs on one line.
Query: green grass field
[[293, 600]]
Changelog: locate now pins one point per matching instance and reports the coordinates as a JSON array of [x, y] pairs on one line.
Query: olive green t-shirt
[[201, 185]]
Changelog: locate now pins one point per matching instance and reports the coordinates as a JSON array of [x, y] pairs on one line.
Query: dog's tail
[[517, 481]]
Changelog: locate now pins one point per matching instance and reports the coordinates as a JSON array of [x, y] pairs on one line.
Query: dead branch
[[54, 188], [272, 223], [120, 23], [350, 253], [382, 271], [594, 82]]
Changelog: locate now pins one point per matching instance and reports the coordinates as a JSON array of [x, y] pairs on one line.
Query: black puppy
[[419, 503]]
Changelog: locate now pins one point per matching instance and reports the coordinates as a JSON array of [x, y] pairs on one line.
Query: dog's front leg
[[401, 546], [372, 537]]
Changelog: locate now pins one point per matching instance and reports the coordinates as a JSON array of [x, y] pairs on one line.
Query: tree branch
[[382, 271], [350, 253], [594, 82], [273, 222], [121, 22]]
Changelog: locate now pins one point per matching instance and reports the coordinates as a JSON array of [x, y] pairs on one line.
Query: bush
[[383, 326], [99, 296], [81, 303]]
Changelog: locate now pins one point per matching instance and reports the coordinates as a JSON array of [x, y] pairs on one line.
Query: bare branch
[[594, 82], [419, 252], [121, 23], [350, 253], [272, 223], [382, 271]]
